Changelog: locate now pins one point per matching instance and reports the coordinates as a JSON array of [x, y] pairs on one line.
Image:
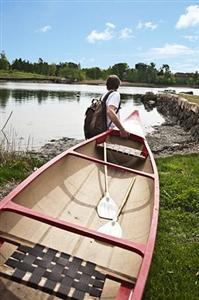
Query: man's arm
[[111, 112]]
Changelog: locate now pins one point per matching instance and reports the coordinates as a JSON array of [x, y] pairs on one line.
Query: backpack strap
[[107, 95], [104, 100]]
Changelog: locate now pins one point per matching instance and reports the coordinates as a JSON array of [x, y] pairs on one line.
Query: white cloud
[[110, 25], [146, 25], [191, 18], [87, 61], [45, 28], [170, 50], [191, 37], [126, 33], [190, 65], [105, 35]]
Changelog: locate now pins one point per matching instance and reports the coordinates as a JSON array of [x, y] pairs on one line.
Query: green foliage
[[93, 73], [4, 63], [20, 74], [191, 98], [120, 70], [142, 73], [174, 272]]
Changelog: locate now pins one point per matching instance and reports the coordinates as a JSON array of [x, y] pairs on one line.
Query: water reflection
[[39, 95], [42, 114], [42, 95], [4, 96]]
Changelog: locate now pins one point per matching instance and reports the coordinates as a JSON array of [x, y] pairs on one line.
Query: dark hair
[[112, 82]]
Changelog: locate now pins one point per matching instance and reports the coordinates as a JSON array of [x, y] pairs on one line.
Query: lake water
[[42, 111]]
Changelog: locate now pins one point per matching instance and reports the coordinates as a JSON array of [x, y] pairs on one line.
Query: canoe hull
[[56, 207]]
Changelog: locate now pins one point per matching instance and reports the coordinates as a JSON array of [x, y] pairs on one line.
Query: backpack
[[95, 121]]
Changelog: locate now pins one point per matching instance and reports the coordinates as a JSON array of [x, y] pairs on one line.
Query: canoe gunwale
[[138, 291]]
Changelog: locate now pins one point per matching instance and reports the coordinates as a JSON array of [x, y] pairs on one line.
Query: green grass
[[174, 273], [175, 269], [191, 98], [16, 167], [23, 75]]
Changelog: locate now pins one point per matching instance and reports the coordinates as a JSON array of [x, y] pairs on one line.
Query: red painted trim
[[124, 292], [146, 263], [122, 243]]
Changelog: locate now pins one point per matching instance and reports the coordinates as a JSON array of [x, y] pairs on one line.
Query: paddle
[[106, 208], [113, 227]]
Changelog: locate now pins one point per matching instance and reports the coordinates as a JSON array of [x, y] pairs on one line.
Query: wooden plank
[[123, 149]]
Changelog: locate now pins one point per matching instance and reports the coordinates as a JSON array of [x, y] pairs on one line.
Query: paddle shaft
[[125, 197], [105, 170]]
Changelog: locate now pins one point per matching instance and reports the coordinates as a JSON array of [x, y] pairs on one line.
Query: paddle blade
[[107, 208], [112, 228]]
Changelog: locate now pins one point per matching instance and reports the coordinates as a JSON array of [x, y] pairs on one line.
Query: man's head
[[112, 82]]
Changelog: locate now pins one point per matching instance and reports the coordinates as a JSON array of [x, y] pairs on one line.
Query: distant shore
[[42, 79]]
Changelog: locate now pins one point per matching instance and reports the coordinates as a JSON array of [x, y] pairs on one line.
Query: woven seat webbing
[[55, 272]]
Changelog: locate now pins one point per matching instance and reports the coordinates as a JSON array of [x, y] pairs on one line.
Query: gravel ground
[[169, 139]]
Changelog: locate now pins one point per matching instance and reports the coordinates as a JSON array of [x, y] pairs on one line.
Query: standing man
[[113, 105]]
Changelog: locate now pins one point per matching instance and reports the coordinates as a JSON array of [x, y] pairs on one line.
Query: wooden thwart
[[123, 149]]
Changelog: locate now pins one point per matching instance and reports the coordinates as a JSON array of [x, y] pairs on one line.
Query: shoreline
[[165, 140], [91, 82]]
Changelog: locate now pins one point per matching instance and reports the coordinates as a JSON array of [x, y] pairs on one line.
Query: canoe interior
[[70, 190]]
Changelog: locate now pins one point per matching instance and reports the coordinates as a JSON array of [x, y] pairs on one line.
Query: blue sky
[[102, 33]]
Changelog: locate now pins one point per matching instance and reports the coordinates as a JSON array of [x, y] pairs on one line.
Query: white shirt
[[113, 99]]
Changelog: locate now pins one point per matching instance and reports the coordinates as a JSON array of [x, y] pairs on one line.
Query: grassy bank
[[16, 167], [191, 98], [18, 75], [175, 269]]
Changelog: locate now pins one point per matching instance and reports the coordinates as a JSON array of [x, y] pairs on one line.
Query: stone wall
[[183, 112]]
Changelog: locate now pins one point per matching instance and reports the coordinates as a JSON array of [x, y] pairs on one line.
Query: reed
[[16, 163]]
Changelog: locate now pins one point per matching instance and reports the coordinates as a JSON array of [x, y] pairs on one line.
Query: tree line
[[72, 72]]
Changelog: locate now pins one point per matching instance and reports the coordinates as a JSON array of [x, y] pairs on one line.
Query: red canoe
[[83, 226]]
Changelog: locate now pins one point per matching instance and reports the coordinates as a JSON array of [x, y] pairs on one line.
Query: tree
[[141, 70], [120, 70], [131, 75], [4, 63], [152, 73], [52, 69], [196, 78], [93, 73], [165, 75], [72, 65]]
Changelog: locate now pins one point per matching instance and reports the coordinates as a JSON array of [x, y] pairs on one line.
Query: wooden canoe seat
[[54, 272], [123, 149]]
